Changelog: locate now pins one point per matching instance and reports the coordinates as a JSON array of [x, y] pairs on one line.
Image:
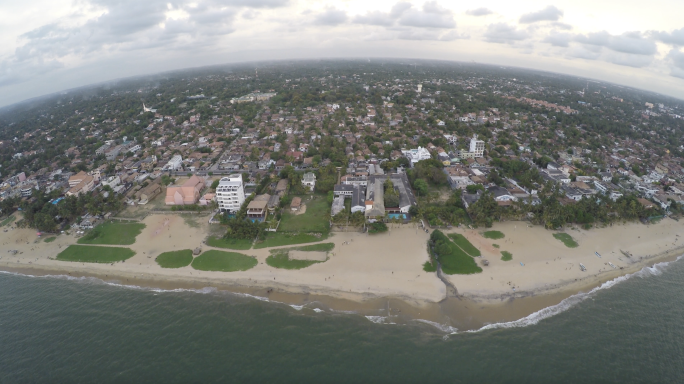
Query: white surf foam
[[656, 270], [377, 319], [441, 327]]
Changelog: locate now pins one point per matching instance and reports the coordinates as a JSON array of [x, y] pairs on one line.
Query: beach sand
[[365, 271], [549, 265]]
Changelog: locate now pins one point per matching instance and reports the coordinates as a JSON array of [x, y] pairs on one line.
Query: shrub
[[377, 227]]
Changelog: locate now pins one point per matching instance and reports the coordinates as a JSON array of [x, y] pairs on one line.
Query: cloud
[[561, 25], [504, 34], [123, 26], [676, 58], [331, 16], [630, 42], [585, 52], [559, 39], [429, 34], [431, 16], [258, 3], [375, 18], [399, 8], [479, 12], [628, 59], [549, 13], [675, 37]]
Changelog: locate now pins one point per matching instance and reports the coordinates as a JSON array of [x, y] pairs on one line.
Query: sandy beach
[[375, 268]]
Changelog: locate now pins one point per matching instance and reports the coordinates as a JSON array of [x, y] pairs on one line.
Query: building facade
[[230, 193]]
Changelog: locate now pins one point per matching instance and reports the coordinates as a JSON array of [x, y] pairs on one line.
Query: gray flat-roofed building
[[343, 190], [358, 203], [376, 194], [402, 185]]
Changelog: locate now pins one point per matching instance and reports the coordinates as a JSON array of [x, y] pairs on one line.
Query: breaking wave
[[655, 270]]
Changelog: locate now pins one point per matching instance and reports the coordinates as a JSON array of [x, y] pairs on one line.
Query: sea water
[[59, 329]]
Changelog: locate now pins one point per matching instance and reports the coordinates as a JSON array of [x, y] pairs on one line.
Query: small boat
[[612, 265], [521, 264], [597, 254], [582, 267]]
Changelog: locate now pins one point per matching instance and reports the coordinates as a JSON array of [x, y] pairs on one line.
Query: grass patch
[[276, 239], [280, 258], [90, 254], [429, 267], [113, 234], [50, 239], [283, 261], [315, 219], [322, 247], [9, 220], [377, 227], [175, 259], [495, 245], [494, 235], [223, 261], [506, 256], [221, 242], [453, 259], [465, 245], [566, 239]]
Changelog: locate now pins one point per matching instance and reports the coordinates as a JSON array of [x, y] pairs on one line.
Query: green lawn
[[465, 244], [276, 239], [220, 242], [506, 256], [50, 239], [175, 259], [8, 220], [91, 254], [282, 260], [315, 219], [495, 245], [494, 235], [223, 261], [429, 267], [113, 233], [453, 259], [566, 239]]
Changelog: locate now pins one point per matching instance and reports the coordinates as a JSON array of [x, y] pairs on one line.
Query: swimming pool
[[397, 215]]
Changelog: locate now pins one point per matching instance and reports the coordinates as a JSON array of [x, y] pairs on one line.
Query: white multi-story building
[[416, 155], [230, 193], [477, 146], [175, 164]]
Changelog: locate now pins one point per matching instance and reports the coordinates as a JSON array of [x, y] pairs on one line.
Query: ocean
[[58, 329]]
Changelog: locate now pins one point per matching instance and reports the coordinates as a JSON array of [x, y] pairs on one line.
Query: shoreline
[[469, 312], [382, 274]]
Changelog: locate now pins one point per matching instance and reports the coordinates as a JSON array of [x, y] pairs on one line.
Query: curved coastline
[[391, 295]]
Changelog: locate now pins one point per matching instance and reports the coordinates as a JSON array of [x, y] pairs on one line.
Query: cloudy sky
[[51, 45]]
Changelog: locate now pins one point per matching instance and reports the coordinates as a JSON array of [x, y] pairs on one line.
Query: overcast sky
[[51, 45]]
